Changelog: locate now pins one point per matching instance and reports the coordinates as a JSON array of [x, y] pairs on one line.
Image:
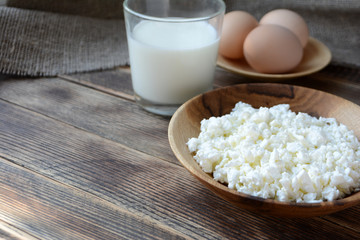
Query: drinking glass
[[173, 46]]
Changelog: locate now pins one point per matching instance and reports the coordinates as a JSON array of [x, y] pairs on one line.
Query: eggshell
[[290, 20], [272, 49], [236, 26]]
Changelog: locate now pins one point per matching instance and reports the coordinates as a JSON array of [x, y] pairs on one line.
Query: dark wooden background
[[80, 160]]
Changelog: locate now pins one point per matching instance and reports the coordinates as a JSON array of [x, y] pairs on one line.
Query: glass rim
[[175, 20]]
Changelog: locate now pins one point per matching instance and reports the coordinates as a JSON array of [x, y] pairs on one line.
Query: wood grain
[[50, 210], [116, 82], [103, 114], [8, 231], [339, 80], [139, 183], [84, 135], [345, 85]]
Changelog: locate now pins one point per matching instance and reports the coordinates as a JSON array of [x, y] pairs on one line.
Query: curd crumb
[[278, 154]]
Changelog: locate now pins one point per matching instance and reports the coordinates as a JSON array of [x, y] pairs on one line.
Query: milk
[[172, 62]]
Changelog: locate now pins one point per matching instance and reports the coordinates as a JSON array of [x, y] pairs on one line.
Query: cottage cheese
[[278, 154]]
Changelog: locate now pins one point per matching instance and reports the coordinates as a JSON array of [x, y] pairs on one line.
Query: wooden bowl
[[185, 124], [316, 57]]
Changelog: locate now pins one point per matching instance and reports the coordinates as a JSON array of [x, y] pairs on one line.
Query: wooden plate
[[185, 124], [316, 57]]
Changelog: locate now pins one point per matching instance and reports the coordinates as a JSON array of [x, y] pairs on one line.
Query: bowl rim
[[349, 200]]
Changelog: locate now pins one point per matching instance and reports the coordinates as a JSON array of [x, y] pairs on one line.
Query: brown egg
[[236, 26], [272, 49], [290, 20]]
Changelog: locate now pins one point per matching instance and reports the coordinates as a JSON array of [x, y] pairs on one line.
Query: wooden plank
[[116, 82], [338, 86], [341, 81], [346, 218], [50, 210], [142, 184], [341, 73], [8, 231], [119, 80], [103, 114], [338, 80], [344, 82]]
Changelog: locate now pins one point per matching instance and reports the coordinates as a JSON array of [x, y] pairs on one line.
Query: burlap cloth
[[52, 37]]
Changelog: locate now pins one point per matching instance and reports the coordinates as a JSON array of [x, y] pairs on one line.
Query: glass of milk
[[173, 47]]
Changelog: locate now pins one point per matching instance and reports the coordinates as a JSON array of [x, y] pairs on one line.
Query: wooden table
[[80, 160]]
